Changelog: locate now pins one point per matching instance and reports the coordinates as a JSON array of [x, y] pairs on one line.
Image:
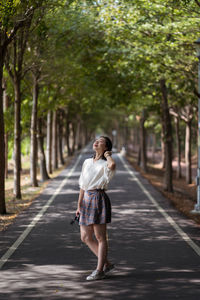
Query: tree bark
[[54, 142], [178, 139], [74, 131], [188, 152], [167, 130], [6, 154], [69, 151], [60, 136], [78, 135], [187, 114], [43, 170], [143, 161], [49, 142], [17, 140], [163, 149], [33, 154], [5, 107], [82, 135], [153, 147], [2, 142]]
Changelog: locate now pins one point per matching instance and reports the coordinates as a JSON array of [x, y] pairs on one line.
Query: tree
[[9, 27], [14, 17], [33, 154]]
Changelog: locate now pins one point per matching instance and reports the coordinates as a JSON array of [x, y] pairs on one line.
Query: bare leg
[[100, 234], [87, 237]]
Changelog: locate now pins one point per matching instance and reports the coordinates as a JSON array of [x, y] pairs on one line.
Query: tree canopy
[[99, 60]]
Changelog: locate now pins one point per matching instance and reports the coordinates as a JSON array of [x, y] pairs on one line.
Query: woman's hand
[[107, 153], [78, 212], [110, 161]]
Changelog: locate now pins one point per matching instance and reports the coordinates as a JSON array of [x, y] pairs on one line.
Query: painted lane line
[[169, 219], [28, 229]]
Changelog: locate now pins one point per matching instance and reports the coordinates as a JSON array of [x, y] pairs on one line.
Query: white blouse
[[95, 174]]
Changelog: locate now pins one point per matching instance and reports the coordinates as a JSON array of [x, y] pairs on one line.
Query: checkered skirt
[[95, 208]]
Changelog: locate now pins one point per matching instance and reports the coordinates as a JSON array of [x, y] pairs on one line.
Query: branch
[[18, 25], [187, 113], [184, 118], [173, 113], [26, 70]]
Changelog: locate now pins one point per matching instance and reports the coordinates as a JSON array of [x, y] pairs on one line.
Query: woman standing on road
[[94, 208]]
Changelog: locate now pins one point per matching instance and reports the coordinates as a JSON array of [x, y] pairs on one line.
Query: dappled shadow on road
[[68, 282], [152, 262]]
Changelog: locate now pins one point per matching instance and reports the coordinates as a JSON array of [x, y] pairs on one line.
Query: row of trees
[[69, 68], [157, 60], [15, 18], [31, 59]]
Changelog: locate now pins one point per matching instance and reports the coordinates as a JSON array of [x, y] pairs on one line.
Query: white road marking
[[28, 229], [183, 235]]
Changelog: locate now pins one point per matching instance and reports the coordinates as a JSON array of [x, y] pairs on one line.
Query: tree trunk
[[43, 170], [167, 130], [154, 148], [2, 143], [197, 134], [6, 154], [163, 148], [188, 152], [74, 131], [78, 135], [60, 136], [49, 142], [54, 142], [143, 161], [33, 154], [68, 138], [17, 140], [137, 144], [178, 139], [5, 107]]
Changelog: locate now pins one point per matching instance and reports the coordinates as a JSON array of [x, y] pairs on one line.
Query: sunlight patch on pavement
[[162, 211], [164, 269], [44, 281], [117, 191], [137, 210]]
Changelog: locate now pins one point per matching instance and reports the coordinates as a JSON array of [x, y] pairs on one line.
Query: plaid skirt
[[95, 208]]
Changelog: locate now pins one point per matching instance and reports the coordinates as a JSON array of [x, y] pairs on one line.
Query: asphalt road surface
[[156, 250]]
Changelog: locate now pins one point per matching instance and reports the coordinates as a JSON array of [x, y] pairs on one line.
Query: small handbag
[[76, 219]]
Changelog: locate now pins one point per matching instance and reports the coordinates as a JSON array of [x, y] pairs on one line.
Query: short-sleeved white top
[[95, 174]]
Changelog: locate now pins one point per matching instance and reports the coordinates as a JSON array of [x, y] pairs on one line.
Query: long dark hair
[[108, 146]]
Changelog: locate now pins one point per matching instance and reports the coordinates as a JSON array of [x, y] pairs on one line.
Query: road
[[155, 248]]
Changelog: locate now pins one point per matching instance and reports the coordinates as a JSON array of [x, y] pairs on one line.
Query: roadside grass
[[29, 193]]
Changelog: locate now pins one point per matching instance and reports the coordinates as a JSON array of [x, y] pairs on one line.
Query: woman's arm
[[110, 160], [80, 198]]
